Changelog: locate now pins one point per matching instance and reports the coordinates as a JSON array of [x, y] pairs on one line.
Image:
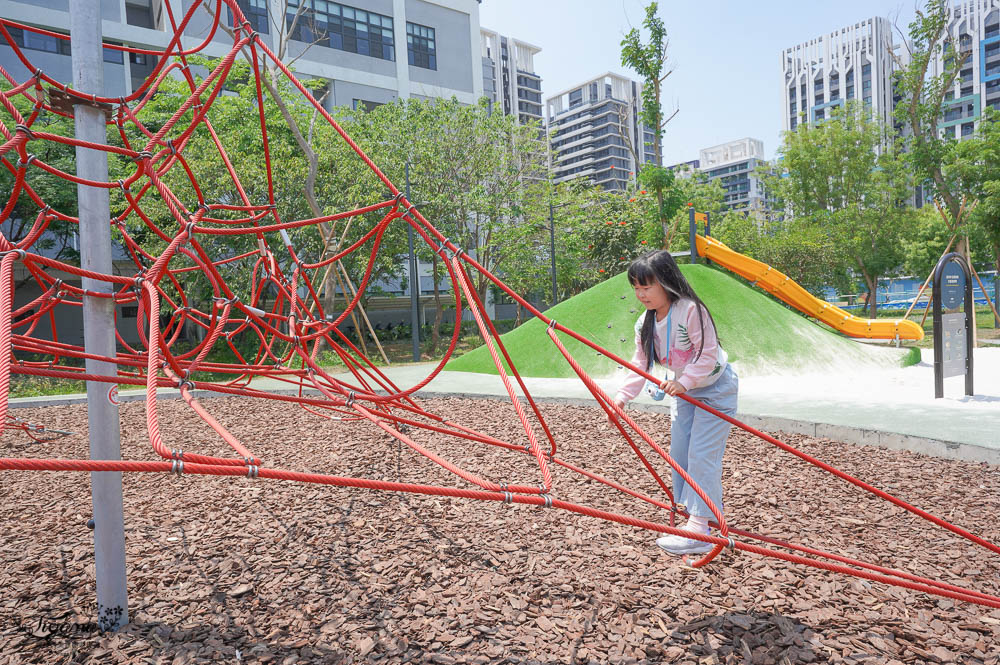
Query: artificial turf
[[760, 335]]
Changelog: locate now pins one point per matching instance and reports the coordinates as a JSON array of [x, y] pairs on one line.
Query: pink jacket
[[690, 370]]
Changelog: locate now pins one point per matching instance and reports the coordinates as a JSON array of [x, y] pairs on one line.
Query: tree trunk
[[663, 221], [871, 282]]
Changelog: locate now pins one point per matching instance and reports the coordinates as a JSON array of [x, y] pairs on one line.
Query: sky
[[725, 54]]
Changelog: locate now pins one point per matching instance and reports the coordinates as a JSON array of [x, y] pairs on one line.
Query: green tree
[[649, 61], [800, 249], [475, 175], [846, 178], [976, 161], [53, 190], [924, 92], [704, 195]]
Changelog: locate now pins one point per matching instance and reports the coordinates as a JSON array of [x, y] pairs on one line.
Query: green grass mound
[[760, 335]]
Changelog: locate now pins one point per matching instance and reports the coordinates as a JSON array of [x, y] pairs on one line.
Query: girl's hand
[[611, 417], [672, 388]]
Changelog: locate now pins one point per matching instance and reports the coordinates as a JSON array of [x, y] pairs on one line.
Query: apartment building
[[509, 78], [856, 62], [852, 63], [596, 132], [733, 165], [976, 25]]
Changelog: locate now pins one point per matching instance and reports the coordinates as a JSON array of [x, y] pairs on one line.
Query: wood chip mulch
[[238, 570]]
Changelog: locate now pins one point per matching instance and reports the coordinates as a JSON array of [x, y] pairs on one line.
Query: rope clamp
[[125, 188], [24, 128], [26, 164], [552, 324], [443, 247], [177, 467], [171, 147], [176, 454], [732, 542], [20, 253], [548, 500], [508, 497], [350, 399], [253, 471]]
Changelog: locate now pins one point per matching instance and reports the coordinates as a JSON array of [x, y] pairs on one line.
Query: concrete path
[[892, 408]]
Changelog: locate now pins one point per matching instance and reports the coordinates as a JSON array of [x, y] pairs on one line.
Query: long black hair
[[659, 266]]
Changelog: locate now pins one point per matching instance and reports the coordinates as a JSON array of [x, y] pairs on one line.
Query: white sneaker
[[682, 545]]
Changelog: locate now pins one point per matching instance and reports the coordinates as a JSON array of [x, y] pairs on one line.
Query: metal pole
[[691, 233], [938, 332], [414, 281], [552, 252], [708, 232], [996, 298], [970, 326], [99, 320]]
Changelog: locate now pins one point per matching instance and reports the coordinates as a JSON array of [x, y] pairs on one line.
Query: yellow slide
[[781, 286]]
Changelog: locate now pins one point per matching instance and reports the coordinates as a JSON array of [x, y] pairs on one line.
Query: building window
[[576, 98], [968, 128], [420, 46], [343, 28], [531, 96], [33, 41], [255, 11], [365, 105]]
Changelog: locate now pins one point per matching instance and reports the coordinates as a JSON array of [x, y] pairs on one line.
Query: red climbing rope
[[171, 227]]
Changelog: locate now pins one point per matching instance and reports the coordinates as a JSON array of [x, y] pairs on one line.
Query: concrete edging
[[842, 433]]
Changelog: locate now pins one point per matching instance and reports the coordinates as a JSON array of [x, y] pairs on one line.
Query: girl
[[678, 331]]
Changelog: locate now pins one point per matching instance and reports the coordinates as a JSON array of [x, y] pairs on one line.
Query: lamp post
[[414, 281], [552, 252]]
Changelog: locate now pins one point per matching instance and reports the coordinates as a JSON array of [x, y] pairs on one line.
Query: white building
[[509, 78], [733, 165], [371, 51], [596, 128], [976, 25], [854, 62]]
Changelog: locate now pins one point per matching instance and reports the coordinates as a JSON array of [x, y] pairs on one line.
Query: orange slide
[[789, 291]]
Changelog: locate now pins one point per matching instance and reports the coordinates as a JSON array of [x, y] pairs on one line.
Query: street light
[[414, 281]]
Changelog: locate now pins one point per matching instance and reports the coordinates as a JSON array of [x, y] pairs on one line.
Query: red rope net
[[292, 327]]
